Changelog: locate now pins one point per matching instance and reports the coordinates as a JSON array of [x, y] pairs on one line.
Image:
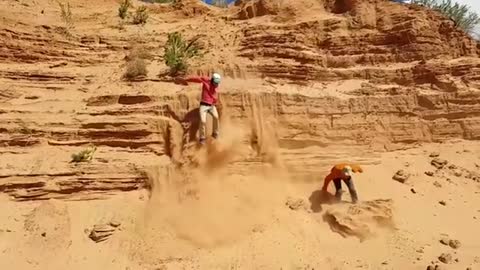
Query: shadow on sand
[[318, 198]]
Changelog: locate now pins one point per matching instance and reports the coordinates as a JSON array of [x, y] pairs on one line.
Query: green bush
[[84, 155], [178, 52], [123, 9], [141, 15], [462, 14]]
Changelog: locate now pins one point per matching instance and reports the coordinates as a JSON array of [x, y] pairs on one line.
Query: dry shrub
[[67, 18], [84, 155], [136, 68], [220, 3], [137, 62], [138, 51], [141, 15]]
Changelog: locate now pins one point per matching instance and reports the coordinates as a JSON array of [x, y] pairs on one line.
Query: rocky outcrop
[[132, 124], [315, 49], [360, 220]]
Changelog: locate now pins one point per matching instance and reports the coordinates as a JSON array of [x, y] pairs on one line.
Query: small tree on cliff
[[178, 52], [123, 9], [462, 14], [67, 18]]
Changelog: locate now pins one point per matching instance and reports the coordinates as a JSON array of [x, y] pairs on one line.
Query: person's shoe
[[202, 141], [215, 136], [354, 197], [354, 200]]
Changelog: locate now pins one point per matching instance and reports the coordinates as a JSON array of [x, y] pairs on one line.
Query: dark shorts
[[338, 183], [350, 186]]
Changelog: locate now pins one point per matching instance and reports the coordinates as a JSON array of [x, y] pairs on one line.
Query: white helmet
[[216, 78]]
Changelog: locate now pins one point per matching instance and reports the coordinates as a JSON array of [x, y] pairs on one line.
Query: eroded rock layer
[[373, 74]]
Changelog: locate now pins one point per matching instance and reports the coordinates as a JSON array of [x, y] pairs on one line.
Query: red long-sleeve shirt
[[336, 173], [209, 90]]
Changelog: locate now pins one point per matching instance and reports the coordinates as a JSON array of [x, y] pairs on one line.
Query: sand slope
[[244, 222]]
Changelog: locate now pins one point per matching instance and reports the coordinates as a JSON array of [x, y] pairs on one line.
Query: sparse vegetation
[[84, 155], [178, 52], [123, 9], [136, 68], [220, 3], [141, 15], [138, 51], [462, 14], [67, 17], [137, 63]]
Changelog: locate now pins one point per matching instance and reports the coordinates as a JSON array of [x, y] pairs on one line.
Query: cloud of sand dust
[[208, 204]]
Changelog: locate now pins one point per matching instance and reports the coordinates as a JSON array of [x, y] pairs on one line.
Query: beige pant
[[212, 110]]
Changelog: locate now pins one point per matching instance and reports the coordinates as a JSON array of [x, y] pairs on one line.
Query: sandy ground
[[239, 204], [235, 221]]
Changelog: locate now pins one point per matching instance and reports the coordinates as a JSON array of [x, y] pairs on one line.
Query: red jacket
[[209, 90], [336, 173]]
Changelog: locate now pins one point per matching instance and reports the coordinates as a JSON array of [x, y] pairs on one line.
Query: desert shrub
[[141, 15], [84, 155], [138, 51], [123, 9], [66, 14], [220, 3], [136, 68], [178, 52], [137, 62], [67, 17], [462, 14]]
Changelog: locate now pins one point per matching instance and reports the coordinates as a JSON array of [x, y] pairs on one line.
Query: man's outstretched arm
[[194, 79], [327, 181], [197, 79]]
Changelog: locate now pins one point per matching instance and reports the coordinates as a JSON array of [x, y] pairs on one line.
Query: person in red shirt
[[208, 101], [342, 172]]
